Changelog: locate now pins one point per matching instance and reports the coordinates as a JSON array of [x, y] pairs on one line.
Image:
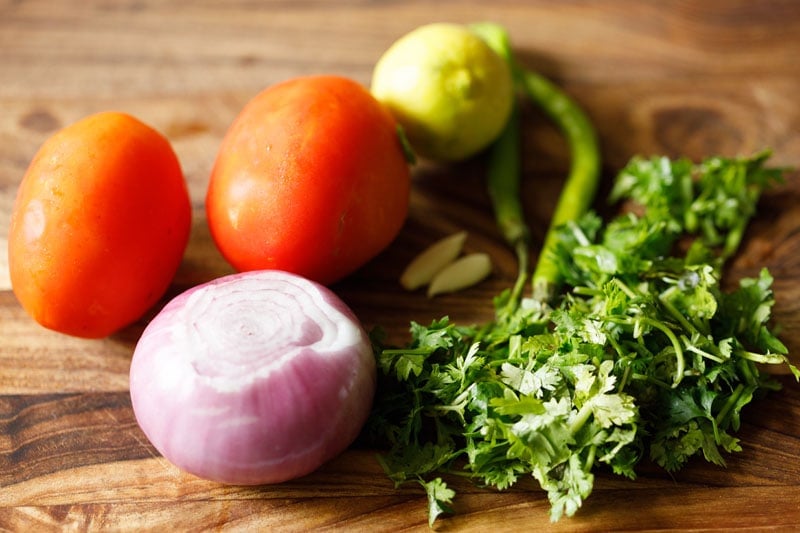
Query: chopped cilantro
[[642, 355]]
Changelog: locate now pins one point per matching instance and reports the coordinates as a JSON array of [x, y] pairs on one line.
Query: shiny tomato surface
[[311, 178], [99, 225]]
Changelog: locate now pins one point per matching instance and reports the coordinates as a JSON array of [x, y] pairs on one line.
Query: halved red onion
[[254, 378]]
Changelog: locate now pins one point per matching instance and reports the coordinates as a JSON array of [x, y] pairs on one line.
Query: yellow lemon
[[451, 92]]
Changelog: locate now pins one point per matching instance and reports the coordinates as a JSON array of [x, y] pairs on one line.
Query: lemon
[[451, 92]]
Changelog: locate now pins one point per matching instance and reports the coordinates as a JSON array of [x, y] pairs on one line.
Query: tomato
[[99, 225], [311, 178]]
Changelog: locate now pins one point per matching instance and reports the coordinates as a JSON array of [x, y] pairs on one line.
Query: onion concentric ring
[[253, 378]]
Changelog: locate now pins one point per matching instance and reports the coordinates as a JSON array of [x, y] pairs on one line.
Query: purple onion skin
[[254, 378]]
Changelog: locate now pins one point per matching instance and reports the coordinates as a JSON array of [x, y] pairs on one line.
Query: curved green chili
[[580, 187], [581, 183]]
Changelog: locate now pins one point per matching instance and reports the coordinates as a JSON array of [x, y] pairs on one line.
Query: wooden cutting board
[[669, 77]]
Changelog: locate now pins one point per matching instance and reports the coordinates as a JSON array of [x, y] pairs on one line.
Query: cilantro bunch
[[644, 356], [640, 355]]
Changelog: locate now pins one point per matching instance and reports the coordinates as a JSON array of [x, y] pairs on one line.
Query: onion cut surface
[[253, 378]]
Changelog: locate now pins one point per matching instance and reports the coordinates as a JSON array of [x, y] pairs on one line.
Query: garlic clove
[[460, 274], [422, 269]]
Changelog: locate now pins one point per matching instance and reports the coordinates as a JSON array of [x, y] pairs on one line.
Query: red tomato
[[311, 178], [99, 226]]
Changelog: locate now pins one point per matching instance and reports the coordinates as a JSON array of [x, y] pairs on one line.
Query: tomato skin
[[311, 178], [99, 225]]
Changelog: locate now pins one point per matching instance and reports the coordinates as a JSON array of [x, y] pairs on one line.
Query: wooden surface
[[667, 77]]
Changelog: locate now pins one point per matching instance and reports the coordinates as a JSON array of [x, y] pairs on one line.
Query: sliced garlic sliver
[[421, 270], [460, 274]]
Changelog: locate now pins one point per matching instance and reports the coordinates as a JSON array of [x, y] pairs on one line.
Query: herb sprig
[[645, 356]]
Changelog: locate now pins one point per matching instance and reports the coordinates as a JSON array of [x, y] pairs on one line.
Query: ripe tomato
[[99, 225], [311, 178]]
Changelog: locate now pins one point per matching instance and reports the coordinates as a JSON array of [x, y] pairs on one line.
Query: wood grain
[[674, 77]]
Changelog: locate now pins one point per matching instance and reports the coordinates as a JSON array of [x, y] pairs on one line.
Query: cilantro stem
[[704, 353], [624, 379], [677, 315], [620, 356], [578, 233], [624, 288], [580, 419], [680, 362], [651, 379], [589, 463], [734, 238], [734, 397], [765, 358]]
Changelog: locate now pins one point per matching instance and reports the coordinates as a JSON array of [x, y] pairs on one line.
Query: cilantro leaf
[[439, 498]]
